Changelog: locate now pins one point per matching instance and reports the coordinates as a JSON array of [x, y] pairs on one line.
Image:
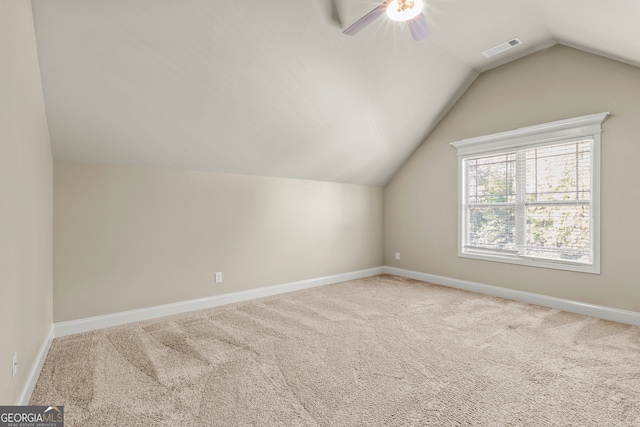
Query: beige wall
[[25, 201], [557, 83], [128, 237]]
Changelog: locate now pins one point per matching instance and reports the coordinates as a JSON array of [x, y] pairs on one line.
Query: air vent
[[502, 47]]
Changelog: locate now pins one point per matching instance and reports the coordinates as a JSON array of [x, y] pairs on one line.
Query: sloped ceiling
[[273, 87]]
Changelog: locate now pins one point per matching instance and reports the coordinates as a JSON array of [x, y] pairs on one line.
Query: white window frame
[[584, 126]]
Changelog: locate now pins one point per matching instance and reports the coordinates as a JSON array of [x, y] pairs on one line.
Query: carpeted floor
[[381, 351]]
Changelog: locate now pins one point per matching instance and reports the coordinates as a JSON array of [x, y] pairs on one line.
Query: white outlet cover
[[218, 277]]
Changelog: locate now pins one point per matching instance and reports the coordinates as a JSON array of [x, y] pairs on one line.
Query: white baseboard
[[608, 313], [121, 318], [34, 373]]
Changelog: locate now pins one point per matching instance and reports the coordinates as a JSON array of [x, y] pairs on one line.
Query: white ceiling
[[273, 87]]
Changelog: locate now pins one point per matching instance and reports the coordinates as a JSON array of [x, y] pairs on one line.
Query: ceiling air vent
[[502, 47]]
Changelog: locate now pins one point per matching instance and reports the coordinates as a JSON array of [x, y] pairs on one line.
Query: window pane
[[560, 232], [559, 172], [491, 228], [491, 179]]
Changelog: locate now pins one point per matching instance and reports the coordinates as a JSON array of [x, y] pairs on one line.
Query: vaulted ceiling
[[273, 87]]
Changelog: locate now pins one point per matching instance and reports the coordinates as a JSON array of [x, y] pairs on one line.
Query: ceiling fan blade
[[335, 14], [366, 20], [418, 27]]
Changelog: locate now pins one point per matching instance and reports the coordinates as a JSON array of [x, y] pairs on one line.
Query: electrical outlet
[[15, 363], [397, 255], [218, 277]]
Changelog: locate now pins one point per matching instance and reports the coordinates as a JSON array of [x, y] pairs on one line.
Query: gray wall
[[554, 84], [25, 201], [128, 237]]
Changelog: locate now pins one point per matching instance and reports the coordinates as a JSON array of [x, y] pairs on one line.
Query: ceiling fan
[[409, 11]]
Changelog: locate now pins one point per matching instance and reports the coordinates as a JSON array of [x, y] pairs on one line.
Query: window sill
[[534, 262]]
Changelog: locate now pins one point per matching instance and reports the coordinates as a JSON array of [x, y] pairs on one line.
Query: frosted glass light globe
[[404, 15]]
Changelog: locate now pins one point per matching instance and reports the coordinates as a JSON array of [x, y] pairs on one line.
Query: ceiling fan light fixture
[[404, 10]]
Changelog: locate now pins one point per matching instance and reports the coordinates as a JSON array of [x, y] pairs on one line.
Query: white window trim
[[589, 125]]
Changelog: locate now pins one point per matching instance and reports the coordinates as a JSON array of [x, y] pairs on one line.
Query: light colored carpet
[[381, 351]]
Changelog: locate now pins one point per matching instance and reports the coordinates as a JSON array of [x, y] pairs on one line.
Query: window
[[531, 196]]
